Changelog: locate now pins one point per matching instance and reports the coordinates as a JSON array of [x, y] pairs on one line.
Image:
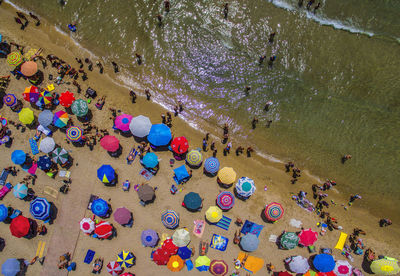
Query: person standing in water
[[159, 18], [138, 58], [345, 158], [309, 4], [300, 3], [317, 7], [148, 95], [246, 90], [226, 10], [271, 38], [267, 105], [167, 5], [261, 60], [133, 96], [271, 61]]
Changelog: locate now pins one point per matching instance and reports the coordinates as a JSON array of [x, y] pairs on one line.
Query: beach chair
[[50, 191], [3, 177], [89, 256], [5, 189], [66, 174]]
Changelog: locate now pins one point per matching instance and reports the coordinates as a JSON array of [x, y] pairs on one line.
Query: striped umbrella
[[122, 122], [31, 94], [273, 211], [59, 156], [45, 118], [211, 165], [10, 100], [60, 119], [79, 108], [114, 268], [67, 98], [87, 225], [170, 219], [44, 163], [14, 58], [180, 145], [218, 268], [289, 240], [74, 134], [245, 187], [99, 207], [126, 259], [40, 208], [225, 200], [45, 98], [194, 158], [103, 229], [20, 191]]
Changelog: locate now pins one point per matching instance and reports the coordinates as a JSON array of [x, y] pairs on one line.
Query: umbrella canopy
[[146, 193], [150, 160], [18, 157], [10, 100], [60, 119], [106, 173], [289, 240], [122, 215], [299, 264], [45, 98], [47, 145], [385, 266], [170, 219], [45, 118], [122, 122], [194, 158], [20, 191], [74, 133], [3, 212], [161, 256], [284, 273], [44, 163], [149, 238], [307, 237], [14, 58], [67, 98], [140, 126], [218, 268], [114, 268], [159, 135], [40, 208], [249, 242], [169, 246], [184, 252], [343, 268], [80, 108], [20, 226], [175, 263], [213, 214], [103, 230], [31, 94], [99, 207], [202, 263], [192, 201], [29, 68], [324, 262], [211, 165], [273, 211], [110, 143], [245, 187], [181, 237], [59, 156], [227, 175], [10, 267], [180, 145], [87, 225], [126, 259], [225, 200], [26, 116]]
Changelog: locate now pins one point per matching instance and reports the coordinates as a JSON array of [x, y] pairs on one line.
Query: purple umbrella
[[149, 238], [122, 215]]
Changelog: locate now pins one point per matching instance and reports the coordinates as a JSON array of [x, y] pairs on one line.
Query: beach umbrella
[[289, 240], [45, 97], [29, 68], [226, 175], [26, 116], [192, 201], [150, 160], [184, 252], [213, 214], [67, 98], [3, 212], [202, 263], [343, 268], [103, 229], [99, 207], [245, 187], [218, 268], [122, 215], [126, 259], [10, 267], [20, 191], [45, 118], [18, 157], [110, 143], [87, 225], [385, 266], [3, 121], [310, 273], [60, 119], [14, 58], [44, 163], [169, 246], [149, 238], [330, 273], [225, 200], [31, 94], [59, 156], [298, 264], [159, 135], [324, 262], [80, 108], [170, 219], [106, 173], [284, 273], [273, 211], [161, 256], [122, 122], [194, 158], [20, 226], [146, 193], [140, 126], [180, 145], [175, 263], [47, 145], [307, 237], [114, 268], [181, 237], [40, 208], [10, 100], [249, 242], [211, 165], [74, 133]]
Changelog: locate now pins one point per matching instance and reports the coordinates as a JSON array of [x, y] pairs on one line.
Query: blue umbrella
[[150, 160], [40, 208], [170, 219], [159, 135], [324, 262], [44, 163], [249, 242], [20, 191], [99, 207], [106, 173], [10, 267], [149, 238], [45, 118], [18, 157], [211, 165], [3, 212], [184, 252]]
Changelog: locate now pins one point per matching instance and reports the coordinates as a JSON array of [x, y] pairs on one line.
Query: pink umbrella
[[87, 225], [122, 216], [122, 122], [110, 143], [307, 237]]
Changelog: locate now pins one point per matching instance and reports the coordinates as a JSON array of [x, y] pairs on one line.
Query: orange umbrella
[[175, 263], [29, 68]]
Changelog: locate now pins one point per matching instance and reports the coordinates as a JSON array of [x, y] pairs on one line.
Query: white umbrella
[[343, 268], [46, 118], [87, 225], [298, 264], [47, 145], [245, 187], [181, 237], [140, 126]]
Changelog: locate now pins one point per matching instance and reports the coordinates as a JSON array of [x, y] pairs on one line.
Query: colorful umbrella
[[99, 207], [59, 156], [3, 121], [45, 118], [213, 214], [192, 201], [194, 158], [170, 219], [249, 242], [161, 256], [324, 262], [211, 165], [20, 226], [106, 173], [140, 126], [45, 98], [385, 266], [31, 94], [307, 237], [79, 108], [40, 208], [298, 264], [3, 212], [20, 191], [47, 145], [284, 273], [67, 98], [103, 230], [225, 200], [126, 259], [74, 133], [87, 225], [150, 160], [10, 100], [159, 135], [202, 263], [330, 273], [218, 268], [149, 238], [122, 122], [110, 143], [26, 116], [146, 193], [114, 268], [44, 163], [175, 263], [226, 176], [60, 119], [170, 247], [273, 211], [122, 216], [14, 58], [11, 267], [29, 68], [184, 252], [343, 268], [181, 237], [289, 240], [18, 157], [180, 145], [245, 187]]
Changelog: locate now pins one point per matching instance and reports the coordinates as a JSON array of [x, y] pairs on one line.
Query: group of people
[[21, 16]]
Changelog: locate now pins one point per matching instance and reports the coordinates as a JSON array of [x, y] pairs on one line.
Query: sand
[[64, 235]]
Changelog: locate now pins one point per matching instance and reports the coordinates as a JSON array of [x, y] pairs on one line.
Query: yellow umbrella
[[385, 266], [31, 53], [213, 214], [26, 116], [227, 175], [175, 263]]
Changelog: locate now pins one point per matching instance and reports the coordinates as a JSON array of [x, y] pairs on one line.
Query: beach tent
[[149, 238], [184, 252], [40, 208], [249, 242], [169, 246], [140, 126], [31, 94], [87, 225], [99, 207], [47, 145], [218, 268], [202, 263], [170, 219], [10, 267], [273, 211], [60, 119], [10, 100], [20, 191], [298, 264], [29, 68], [213, 214], [225, 200], [161, 256], [307, 237], [122, 122], [59, 156], [343, 268], [192, 201], [67, 98], [159, 135], [226, 176], [180, 145], [245, 187], [146, 193], [126, 259], [26, 116], [110, 143], [122, 216], [103, 230], [3, 212], [289, 240], [20, 226], [181, 237], [80, 108], [251, 264], [44, 163], [324, 262], [18, 157], [175, 263], [385, 266], [74, 133], [194, 158], [45, 118], [181, 174], [150, 160], [106, 174], [114, 268], [14, 58], [211, 165]]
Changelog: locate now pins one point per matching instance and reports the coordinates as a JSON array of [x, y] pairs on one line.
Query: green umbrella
[[59, 155], [79, 108], [289, 240]]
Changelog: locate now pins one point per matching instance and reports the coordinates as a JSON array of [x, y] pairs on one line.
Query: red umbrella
[[285, 273], [103, 230], [169, 246], [307, 237], [161, 256], [67, 98], [20, 226], [110, 143], [330, 273], [180, 145]]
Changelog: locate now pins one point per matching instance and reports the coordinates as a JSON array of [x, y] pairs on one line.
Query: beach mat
[[341, 241], [34, 146], [146, 174], [251, 227], [89, 256], [224, 223]]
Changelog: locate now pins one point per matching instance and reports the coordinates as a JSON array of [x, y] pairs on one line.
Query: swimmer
[[116, 69], [138, 58], [247, 89], [346, 157], [317, 7], [226, 9], [261, 60], [267, 105], [271, 61], [271, 38], [167, 5]]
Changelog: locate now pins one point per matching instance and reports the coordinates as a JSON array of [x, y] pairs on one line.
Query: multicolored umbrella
[[289, 240], [245, 187], [213, 214], [31, 94], [170, 247], [249, 242], [47, 145], [343, 268], [225, 200], [18, 157], [273, 211], [307, 237], [110, 143], [45, 118], [175, 263], [202, 263], [10, 100], [45, 98], [140, 126], [159, 135], [161, 256], [181, 237], [29, 68], [126, 259], [324, 262], [192, 201], [14, 58], [194, 158], [114, 268], [180, 145], [298, 264], [3, 212], [20, 191], [67, 98], [60, 119], [146, 193], [106, 173], [44, 163], [26, 116], [11, 267], [218, 268], [99, 207], [149, 238], [184, 252], [226, 176], [79, 108], [40, 208], [3, 121], [385, 266], [103, 229], [150, 160], [211, 165], [87, 225], [122, 122], [170, 219], [20, 226], [74, 133], [59, 156], [122, 216]]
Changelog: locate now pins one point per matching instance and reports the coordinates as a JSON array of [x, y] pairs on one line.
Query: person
[[268, 124], [22, 16], [19, 22], [207, 136], [226, 9], [254, 122], [180, 105], [167, 5], [98, 63], [116, 69], [100, 103], [354, 198], [160, 18], [246, 90], [249, 150], [261, 60], [97, 265], [226, 128], [385, 222], [204, 144], [288, 166], [64, 260], [133, 96], [138, 58], [309, 4], [346, 157], [41, 230], [35, 17], [300, 3], [271, 37], [212, 146], [271, 61], [176, 111], [90, 64], [236, 238], [267, 105], [317, 7], [215, 152], [270, 267], [148, 95], [79, 61], [163, 119], [239, 150]]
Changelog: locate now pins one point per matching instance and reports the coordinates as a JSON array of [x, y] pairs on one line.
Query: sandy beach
[[65, 236]]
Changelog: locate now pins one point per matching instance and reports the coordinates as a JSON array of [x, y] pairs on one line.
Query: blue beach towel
[[34, 146], [89, 256], [251, 227], [224, 223], [189, 264]]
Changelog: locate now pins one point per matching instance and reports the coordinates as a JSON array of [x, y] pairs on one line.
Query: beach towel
[[251, 227], [252, 264], [32, 169], [198, 228], [89, 256], [146, 174], [50, 191], [342, 239], [6, 188], [3, 177], [189, 264], [91, 199], [34, 146], [224, 223], [219, 242]]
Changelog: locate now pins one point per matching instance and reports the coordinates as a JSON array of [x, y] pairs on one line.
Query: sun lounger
[[50, 191], [89, 256], [3, 177], [340, 243], [34, 146], [4, 190]]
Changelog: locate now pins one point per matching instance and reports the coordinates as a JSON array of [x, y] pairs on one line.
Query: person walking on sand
[[180, 105], [35, 17], [354, 198], [345, 158], [271, 37], [116, 69], [254, 122], [176, 110], [138, 58], [215, 152], [167, 5], [212, 146], [148, 95], [385, 222], [261, 59], [133, 96], [90, 64], [249, 150], [239, 150], [226, 10], [204, 144], [19, 22], [98, 63]]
